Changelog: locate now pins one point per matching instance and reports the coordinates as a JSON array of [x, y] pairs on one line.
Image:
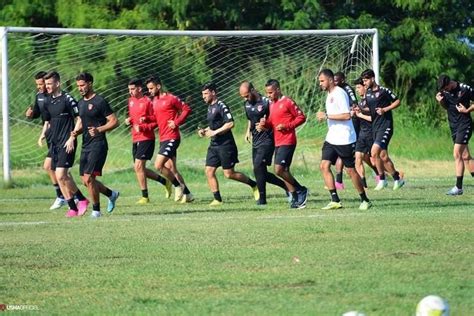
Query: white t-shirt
[[339, 132]]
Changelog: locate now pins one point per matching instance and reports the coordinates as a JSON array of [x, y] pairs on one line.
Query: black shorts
[[364, 143], [50, 151], [284, 155], [382, 137], [262, 155], [345, 152], [223, 155], [462, 135], [60, 158], [92, 162], [143, 150], [169, 148]]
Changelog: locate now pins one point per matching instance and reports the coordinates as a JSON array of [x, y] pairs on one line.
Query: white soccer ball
[[353, 313], [432, 305]]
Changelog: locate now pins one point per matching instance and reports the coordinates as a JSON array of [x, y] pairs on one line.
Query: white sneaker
[[96, 214], [187, 198], [397, 184], [58, 203], [455, 191], [178, 193], [381, 185]]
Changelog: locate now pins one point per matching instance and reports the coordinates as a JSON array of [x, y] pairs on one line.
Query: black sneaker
[[302, 195]]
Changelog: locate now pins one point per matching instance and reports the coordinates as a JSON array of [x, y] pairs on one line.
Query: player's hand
[[69, 145], [136, 128], [439, 97], [171, 124], [40, 140], [248, 137], [142, 120], [29, 112], [380, 111], [201, 132], [209, 132], [461, 108], [128, 121], [321, 116], [280, 127], [93, 131]]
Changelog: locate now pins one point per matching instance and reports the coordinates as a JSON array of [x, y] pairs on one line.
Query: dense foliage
[[418, 39]]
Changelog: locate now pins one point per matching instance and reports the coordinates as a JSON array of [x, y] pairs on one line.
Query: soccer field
[[239, 259]]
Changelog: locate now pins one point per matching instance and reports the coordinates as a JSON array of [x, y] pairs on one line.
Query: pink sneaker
[[82, 207], [377, 179], [339, 186], [71, 213]]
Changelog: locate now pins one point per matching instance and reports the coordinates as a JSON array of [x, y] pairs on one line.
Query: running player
[[285, 116], [222, 150], [340, 140], [256, 107], [142, 120], [170, 113], [455, 97], [381, 101]]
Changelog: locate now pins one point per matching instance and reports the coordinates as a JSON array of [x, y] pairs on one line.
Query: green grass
[[238, 259]]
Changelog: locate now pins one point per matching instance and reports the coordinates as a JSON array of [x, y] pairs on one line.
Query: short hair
[[85, 76], [153, 79], [248, 84], [367, 74], [40, 75], [211, 86], [52, 74], [443, 81], [327, 72], [136, 82], [340, 74], [273, 82], [358, 81]]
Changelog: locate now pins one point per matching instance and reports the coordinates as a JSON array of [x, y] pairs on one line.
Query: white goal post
[[183, 59]]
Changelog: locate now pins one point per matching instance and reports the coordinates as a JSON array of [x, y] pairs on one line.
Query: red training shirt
[[141, 108], [168, 107], [285, 111]]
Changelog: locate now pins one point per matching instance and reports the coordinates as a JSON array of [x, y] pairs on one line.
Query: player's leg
[[140, 171], [182, 193], [60, 200], [339, 171], [166, 152], [359, 166], [328, 158], [458, 151], [375, 155], [468, 161]]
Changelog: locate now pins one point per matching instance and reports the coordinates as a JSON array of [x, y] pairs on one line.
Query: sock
[[273, 179], [363, 197], [459, 182], [96, 207], [217, 196], [175, 183], [297, 185], [364, 182], [186, 190], [294, 195], [382, 176], [334, 196], [59, 194], [472, 173], [108, 192], [145, 193], [261, 177], [339, 177], [251, 183], [396, 176], [79, 195], [72, 204], [161, 180]]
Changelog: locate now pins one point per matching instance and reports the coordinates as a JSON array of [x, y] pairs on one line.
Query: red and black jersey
[[380, 98], [60, 112], [140, 112], [93, 113], [462, 94], [254, 112], [168, 107], [219, 114], [286, 112]]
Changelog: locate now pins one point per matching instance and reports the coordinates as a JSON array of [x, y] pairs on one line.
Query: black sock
[[339, 177], [96, 207], [217, 196], [175, 182], [364, 182], [186, 190], [396, 176], [472, 173], [251, 182], [108, 192], [145, 193], [459, 182], [72, 204], [79, 195], [261, 177], [58, 191], [273, 179], [334, 196], [161, 180], [297, 185], [294, 195], [382, 176], [363, 197]]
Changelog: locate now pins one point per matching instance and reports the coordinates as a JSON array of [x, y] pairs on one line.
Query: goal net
[[183, 61]]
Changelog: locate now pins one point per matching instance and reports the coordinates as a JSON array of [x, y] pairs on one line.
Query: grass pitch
[[239, 259]]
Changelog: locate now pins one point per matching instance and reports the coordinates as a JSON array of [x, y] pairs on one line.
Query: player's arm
[[228, 123], [33, 112], [183, 109], [248, 136], [461, 108], [363, 116], [77, 130], [112, 122], [395, 103], [298, 117], [148, 124], [43, 133]]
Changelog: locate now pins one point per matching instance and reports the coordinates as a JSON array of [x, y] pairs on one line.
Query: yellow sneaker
[[168, 189], [256, 194], [187, 198], [332, 206], [178, 193], [143, 201], [215, 203]]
